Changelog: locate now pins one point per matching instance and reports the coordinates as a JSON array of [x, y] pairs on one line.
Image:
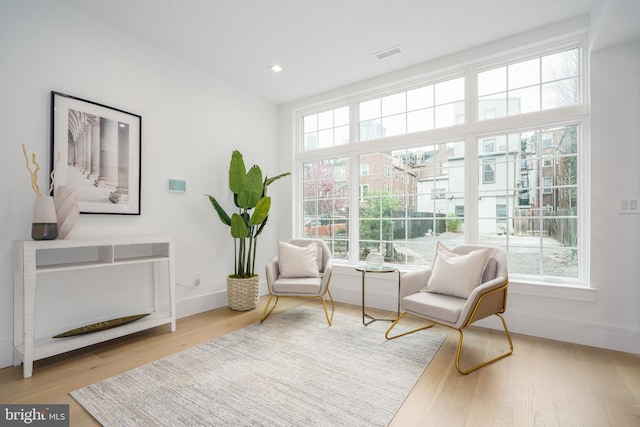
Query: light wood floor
[[544, 382]]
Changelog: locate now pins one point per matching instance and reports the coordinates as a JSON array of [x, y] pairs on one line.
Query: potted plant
[[252, 203]]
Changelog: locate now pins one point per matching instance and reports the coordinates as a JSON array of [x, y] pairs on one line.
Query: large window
[[482, 181], [427, 107]]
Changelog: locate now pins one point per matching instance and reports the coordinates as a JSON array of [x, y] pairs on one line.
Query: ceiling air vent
[[388, 52]]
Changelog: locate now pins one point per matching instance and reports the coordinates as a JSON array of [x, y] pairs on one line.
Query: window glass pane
[[341, 135], [325, 197], [525, 73], [325, 138], [420, 120], [394, 104], [420, 98], [369, 109], [310, 123], [449, 91], [325, 120], [394, 125], [311, 141], [371, 129], [492, 106], [449, 114], [492, 81], [524, 100], [341, 116], [560, 65], [559, 93]]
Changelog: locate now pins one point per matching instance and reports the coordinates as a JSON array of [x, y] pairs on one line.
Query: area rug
[[291, 370]]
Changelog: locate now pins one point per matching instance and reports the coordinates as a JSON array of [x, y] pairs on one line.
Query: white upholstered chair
[[302, 268], [465, 284]]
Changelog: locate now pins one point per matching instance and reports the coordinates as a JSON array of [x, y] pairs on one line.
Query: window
[[536, 84], [326, 129], [325, 198], [427, 107], [538, 218], [489, 145], [488, 171], [394, 223], [414, 191]]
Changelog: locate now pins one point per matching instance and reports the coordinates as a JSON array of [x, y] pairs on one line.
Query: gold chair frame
[[266, 314], [466, 324]]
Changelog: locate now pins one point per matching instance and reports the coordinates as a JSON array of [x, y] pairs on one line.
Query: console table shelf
[[34, 258]]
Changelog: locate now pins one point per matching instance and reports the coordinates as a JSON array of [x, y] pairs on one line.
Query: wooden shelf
[[33, 258]]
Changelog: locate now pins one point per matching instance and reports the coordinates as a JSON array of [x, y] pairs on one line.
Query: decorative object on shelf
[[101, 326], [250, 197], [67, 211], [45, 224], [101, 152], [374, 259]]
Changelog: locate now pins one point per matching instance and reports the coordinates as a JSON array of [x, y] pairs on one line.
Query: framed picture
[[97, 150]]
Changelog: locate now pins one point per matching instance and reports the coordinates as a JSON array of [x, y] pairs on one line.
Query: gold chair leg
[[264, 312], [324, 305], [395, 322], [502, 356]]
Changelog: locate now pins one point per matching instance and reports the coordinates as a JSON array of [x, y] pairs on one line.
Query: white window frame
[[471, 131]]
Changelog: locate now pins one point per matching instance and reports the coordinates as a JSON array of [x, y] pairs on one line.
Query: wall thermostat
[[177, 185]]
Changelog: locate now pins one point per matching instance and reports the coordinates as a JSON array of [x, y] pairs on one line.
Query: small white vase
[[67, 211], [45, 223]]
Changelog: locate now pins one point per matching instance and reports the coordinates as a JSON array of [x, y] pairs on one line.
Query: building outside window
[[415, 192]]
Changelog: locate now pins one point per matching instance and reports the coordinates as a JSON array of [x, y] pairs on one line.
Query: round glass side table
[[364, 269]]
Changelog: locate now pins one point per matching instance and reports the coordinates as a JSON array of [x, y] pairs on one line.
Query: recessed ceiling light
[[276, 68]]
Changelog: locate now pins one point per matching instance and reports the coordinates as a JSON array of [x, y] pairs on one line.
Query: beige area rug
[[291, 370]]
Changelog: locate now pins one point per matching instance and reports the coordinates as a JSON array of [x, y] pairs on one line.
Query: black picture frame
[[100, 154]]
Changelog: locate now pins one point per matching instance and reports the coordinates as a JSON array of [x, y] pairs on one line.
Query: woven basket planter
[[243, 294]]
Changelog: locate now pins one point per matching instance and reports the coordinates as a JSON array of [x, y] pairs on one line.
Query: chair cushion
[[457, 275], [298, 261], [308, 285], [438, 307]]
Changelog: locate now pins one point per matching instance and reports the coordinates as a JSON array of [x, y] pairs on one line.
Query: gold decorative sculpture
[[34, 173]]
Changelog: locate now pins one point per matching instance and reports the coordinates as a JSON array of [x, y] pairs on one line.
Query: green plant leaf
[[237, 172], [251, 190], [222, 214], [239, 229], [268, 181], [261, 211]]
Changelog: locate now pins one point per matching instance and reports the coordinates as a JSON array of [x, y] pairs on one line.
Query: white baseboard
[[200, 304]]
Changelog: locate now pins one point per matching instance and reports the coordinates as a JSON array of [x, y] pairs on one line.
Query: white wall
[[606, 315], [191, 121]]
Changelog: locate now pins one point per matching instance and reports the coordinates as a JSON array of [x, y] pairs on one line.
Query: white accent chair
[[310, 287], [486, 299]]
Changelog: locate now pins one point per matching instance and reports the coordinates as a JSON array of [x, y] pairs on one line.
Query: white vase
[[45, 223], [67, 211]]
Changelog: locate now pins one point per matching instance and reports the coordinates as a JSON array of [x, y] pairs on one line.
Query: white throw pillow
[[457, 275], [298, 261]]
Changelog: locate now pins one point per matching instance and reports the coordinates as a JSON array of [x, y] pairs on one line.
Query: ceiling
[[321, 44]]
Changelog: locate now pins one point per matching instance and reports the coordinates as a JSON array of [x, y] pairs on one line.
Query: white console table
[[34, 258]]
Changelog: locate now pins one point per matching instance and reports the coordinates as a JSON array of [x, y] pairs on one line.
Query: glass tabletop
[[376, 268]]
